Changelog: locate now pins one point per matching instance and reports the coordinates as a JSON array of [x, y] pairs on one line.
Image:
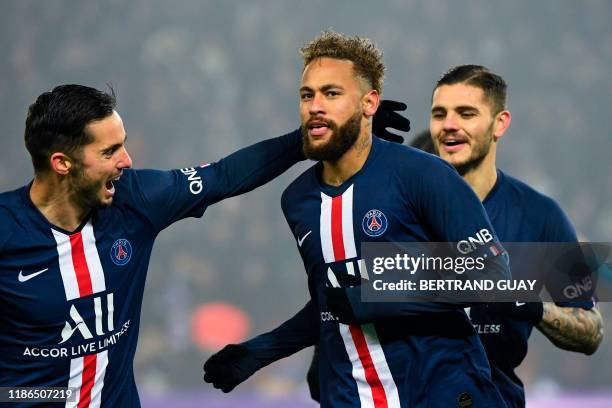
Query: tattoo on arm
[[572, 328]]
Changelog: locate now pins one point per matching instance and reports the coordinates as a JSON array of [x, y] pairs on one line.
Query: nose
[[450, 122], [125, 161], [316, 105]]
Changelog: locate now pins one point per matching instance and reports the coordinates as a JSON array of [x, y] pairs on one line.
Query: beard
[[84, 189], [479, 152], [342, 138]]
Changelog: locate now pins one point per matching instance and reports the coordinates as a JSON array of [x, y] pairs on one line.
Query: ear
[[370, 102], [60, 163], [502, 123]]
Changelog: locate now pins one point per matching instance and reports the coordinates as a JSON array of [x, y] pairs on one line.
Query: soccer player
[[468, 118], [75, 243], [383, 354]]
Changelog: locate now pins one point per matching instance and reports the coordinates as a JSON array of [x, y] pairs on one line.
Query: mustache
[[318, 119]]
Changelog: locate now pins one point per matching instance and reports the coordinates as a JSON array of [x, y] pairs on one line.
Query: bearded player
[[380, 354], [468, 118]]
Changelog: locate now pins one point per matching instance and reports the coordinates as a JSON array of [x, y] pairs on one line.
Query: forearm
[[295, 334], [255, 165], [572, 328]]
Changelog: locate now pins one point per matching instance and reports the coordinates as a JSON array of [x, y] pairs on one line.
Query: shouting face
[[100, 163]]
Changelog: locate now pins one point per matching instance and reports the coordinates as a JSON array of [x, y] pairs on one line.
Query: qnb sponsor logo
[[195, 181], [102, 318], [470, 244], [578, 289]]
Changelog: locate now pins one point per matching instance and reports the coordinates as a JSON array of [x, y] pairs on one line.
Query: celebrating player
[[75, 243], [380, 354], [468, 118]]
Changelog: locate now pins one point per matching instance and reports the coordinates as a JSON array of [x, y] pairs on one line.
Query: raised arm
[[253, 166]]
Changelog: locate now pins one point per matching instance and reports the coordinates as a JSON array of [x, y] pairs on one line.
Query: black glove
[[227, 368], [312, 377], [531, 312], [339, 305], [387, 117]]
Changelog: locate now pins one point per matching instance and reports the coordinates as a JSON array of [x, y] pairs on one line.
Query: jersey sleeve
[[558, 229], [168, 196], [448, 205], [454, 214], [297, 333]]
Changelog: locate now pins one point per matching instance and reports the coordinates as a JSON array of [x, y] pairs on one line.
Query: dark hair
[[57, 121], [365, 56], [422, 141], [493, 86]]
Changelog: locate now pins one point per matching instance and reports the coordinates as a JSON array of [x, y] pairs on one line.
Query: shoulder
[[415, 167], [11, 206], [12, 203], [135, 184], [408, 156], [536, 201], [539, 209], [10, 198], [299, 187]]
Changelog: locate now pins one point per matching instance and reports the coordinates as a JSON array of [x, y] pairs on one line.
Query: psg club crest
[[121, 252], [374, 223]]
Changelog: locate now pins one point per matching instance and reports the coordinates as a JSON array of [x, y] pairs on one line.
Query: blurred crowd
[[196, 80]]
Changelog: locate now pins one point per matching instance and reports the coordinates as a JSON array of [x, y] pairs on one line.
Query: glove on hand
[[387, 116], [339, 305], [227, 368]]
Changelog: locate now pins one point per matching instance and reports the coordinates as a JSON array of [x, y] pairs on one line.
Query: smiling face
[[331, 109], [463, 127], [100, 163]]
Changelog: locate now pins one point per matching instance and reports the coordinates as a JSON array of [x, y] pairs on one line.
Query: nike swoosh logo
[[520, 303], [25, 278], [301, 240]]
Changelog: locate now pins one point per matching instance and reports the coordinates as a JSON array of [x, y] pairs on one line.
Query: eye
[[305, 96], [332, 94], [468, 114], [437, 115], [108, 153]]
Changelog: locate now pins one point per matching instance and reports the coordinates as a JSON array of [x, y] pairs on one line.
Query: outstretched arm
[[168, 196], [253, 166]]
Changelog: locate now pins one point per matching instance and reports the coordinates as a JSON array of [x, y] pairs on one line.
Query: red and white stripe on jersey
[[371, 372], [375, 384], [337, 236], [79, 263], [87, 380]]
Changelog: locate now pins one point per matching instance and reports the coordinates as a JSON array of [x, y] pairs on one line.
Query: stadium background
[[198, 79]]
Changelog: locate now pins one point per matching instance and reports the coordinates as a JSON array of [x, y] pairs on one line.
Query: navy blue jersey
[[399, 195], [71, 300], [518, 214]]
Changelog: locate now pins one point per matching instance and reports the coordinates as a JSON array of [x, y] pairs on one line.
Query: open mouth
[[453, 144], [110, 186], [317, 127]]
